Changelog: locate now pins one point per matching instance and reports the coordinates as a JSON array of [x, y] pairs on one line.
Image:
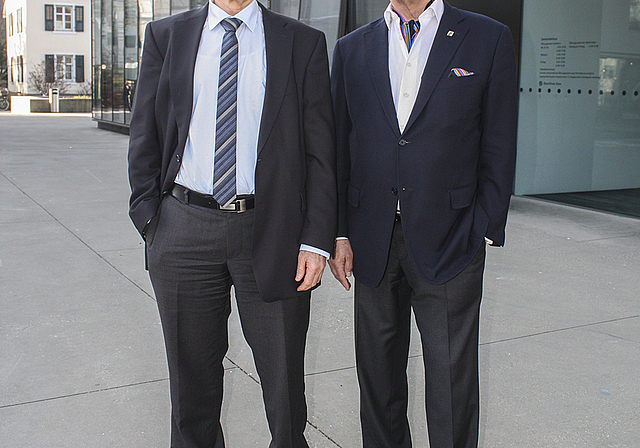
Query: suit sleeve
[[343, 129], [498, 142], [319, 141], [145, 156]]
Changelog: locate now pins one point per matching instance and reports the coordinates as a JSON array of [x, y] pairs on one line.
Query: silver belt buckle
[[238, 206], [241, 205]]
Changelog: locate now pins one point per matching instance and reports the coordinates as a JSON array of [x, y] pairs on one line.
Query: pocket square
[[459, 72]]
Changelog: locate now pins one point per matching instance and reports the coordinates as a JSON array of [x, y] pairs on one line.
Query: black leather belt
[[239, 205]]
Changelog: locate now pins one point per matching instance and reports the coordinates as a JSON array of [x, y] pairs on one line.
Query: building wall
[[15, 42], [35, 42]]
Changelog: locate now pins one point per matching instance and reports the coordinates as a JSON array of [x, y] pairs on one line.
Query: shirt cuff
[[341, 238], [488, 241], [315, 250]]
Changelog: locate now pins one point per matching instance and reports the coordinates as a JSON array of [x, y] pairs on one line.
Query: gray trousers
[[447, 317], [195, 255]]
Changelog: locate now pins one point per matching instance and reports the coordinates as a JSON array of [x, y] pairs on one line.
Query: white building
[[52, 38]]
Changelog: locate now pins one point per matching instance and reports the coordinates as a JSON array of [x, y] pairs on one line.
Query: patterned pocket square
[[459, 72]]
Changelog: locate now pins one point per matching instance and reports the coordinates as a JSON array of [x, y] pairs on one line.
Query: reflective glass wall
[[117, 34], [579, 103]]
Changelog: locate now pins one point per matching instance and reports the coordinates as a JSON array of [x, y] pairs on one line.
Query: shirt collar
[[248, 15], [436, 8]]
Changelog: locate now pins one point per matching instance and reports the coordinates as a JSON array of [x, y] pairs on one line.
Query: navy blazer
[[452, 168], [295, 178]]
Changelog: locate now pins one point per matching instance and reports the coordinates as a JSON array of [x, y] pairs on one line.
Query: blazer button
[[402, 142], [178, 158], [394, 191]]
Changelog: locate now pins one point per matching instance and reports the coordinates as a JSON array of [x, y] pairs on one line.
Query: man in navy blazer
[[271, 241], [425, 104]]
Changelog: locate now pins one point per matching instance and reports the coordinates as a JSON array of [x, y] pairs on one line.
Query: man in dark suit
[[425, 104], [232, 172]]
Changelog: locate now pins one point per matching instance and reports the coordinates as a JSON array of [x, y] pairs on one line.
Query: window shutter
[[48, 17], [50, 68], [79, 68], [79, 18]]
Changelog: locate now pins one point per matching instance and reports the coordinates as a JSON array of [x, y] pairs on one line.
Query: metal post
[[54, 100]]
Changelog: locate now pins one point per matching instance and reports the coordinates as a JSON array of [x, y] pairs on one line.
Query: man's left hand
[[310, 268]]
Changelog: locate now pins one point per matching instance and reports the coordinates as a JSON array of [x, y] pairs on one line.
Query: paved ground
[[81, 355]]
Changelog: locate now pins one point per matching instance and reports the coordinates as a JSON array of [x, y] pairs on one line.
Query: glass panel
[[369, 10], [289, 8], [145, 11], [96, 58], [118, 61], [178, 6], [106, 68], [130, 54], [198, 3], [579, 123], [634, 15], [323, 15], [161, 8]]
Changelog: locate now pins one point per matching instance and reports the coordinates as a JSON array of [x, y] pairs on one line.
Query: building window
[[64, 67], [20, 69], [11, 68], [10, 25], [19, 20], [63, 18], [64, 14]]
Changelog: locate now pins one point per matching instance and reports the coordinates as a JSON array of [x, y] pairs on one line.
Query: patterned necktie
[[409, 32], [224, 174]]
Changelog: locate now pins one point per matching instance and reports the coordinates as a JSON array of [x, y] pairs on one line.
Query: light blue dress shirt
[[196, 170]]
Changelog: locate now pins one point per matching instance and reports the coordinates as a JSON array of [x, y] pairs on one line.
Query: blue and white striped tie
[[224, 173]]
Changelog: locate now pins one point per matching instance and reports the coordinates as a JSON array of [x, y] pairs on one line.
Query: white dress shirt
[[406, 67], [196, 171]]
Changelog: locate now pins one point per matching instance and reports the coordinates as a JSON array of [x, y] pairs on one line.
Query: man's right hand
[[341, 263]]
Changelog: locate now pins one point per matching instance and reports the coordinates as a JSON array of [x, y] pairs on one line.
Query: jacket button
[[178, 158], [402, 142], [394, 191]]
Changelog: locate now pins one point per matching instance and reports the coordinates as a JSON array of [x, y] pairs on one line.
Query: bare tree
[[85, 88], [39, 81]]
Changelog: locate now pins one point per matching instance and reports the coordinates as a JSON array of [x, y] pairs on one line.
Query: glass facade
[[118, 32], [579, 66], [579, 103]]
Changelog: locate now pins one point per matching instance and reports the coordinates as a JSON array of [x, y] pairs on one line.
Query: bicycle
[[4, 99]]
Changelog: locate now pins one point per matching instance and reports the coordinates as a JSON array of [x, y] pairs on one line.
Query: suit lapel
[[444, 47], [279, 48], [377, 55], [183, 60]]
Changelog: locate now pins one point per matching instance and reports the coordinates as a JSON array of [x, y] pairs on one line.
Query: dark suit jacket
[[295, 184], [453, 166]]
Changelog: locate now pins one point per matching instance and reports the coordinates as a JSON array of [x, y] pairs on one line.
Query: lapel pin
[[450, 33]]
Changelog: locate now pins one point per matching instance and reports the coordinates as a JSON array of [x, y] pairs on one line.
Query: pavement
[[82, 360]]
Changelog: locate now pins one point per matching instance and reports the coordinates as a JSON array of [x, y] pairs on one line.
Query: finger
[[348, 266], [344, 282], [337, 268], [300, 270]]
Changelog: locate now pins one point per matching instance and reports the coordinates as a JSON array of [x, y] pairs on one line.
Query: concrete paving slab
[[133, 416], [576, 387], [81, 353]]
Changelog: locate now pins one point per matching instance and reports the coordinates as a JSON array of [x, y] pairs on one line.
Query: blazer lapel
[[183, 60], [279, 47], [377, 51], [444, 47]]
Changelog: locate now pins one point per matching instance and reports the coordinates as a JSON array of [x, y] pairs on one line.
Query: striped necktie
[[224, 173]]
